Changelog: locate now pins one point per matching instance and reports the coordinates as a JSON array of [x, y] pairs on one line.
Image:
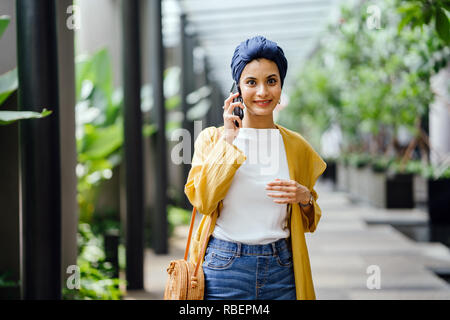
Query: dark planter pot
[[112, 240], [439, 201], [10, 293], [330, 171], [399, 191]]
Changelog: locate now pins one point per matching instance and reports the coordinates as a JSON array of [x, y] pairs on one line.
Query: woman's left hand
[[291, 191]]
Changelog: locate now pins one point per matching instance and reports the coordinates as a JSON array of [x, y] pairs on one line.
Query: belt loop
[[239, 249], [274, 248]]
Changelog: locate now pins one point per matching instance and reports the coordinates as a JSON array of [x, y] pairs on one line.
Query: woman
[[258, 211]]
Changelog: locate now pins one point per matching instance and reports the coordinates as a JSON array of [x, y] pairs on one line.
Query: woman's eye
[[272, 81], [251, 82]]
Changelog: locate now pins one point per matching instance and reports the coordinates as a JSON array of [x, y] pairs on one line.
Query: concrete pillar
[[439, 118], [66, 78]]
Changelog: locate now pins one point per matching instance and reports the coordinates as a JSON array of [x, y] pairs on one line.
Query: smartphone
[[237, 111]]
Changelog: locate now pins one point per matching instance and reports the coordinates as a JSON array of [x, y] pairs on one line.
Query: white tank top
[[249, 215]]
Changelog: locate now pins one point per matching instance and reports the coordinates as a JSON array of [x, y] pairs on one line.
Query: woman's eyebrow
[[253, 78]]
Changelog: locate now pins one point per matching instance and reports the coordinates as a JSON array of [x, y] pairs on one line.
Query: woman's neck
[[250, 122]]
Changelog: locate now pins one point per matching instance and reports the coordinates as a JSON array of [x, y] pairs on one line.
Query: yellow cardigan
[[214, 164]]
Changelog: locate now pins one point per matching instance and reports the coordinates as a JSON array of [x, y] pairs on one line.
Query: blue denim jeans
[[239, 271]]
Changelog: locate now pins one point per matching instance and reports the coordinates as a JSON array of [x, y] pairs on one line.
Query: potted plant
[[399, 186], [419, 183], [342, 173], [377, 192], [438, 183], [358, 176], [9, 289], [330, 171]]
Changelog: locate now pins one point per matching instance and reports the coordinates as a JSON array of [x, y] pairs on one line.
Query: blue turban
[[254, 48]]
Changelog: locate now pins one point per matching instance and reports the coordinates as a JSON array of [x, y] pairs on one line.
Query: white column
[[439, 117]]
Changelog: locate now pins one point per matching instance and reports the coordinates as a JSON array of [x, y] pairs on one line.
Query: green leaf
[[8, 117], [97, 70], [427, 13], [8, 84], [101, 67], [446, 5], [442, 25], [4, 22], [148, 129], [405, 20], [172, 102], [101, 142]]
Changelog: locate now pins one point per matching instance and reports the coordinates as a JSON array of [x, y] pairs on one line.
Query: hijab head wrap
[[254, 48]]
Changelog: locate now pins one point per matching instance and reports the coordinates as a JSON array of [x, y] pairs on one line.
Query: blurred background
[[101, 102]]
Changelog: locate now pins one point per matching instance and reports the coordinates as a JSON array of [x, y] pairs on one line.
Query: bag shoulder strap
[[191, 227], [204, 244]]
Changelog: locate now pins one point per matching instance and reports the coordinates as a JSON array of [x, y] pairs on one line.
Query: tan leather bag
[[186, 280]]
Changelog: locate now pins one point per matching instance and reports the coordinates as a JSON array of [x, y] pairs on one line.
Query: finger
[[240, 122], [237, 104], [233, 105], [281, 195], [280, 182], [229, 117], [231, 97], [282, 188], [283, 201]]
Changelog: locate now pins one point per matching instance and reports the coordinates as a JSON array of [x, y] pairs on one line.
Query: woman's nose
[[262, 91]]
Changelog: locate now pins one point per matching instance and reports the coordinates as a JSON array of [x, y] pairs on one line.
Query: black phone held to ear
[[237, 111]]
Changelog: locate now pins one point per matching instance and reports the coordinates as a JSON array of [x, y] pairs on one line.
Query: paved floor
[[355, 254]]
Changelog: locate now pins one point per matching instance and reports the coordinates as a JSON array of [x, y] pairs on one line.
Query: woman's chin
[[261, 111]]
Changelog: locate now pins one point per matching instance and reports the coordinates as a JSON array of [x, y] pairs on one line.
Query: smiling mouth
[[263, 103]]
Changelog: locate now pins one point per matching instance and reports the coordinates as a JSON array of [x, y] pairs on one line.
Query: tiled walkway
[[347, 254]]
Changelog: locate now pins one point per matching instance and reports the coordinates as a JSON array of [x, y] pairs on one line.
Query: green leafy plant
[[410, 167], [371, 83], [99, 127], [8, 85], [4, 22], [359, 160], [381, 163], [96, 280], [177, 217], [435, 172], [8, 117], [417, 13], [5, 279]]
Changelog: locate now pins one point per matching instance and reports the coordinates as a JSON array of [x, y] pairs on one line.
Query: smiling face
[[260, 85]]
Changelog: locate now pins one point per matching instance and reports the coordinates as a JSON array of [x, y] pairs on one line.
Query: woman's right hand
[[231, 131]]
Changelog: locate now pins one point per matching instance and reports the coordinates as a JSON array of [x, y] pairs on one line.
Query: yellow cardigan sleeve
[[214, 164], [316, 166]]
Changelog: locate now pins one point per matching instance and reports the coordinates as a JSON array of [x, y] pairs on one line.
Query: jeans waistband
[[249, 249]]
